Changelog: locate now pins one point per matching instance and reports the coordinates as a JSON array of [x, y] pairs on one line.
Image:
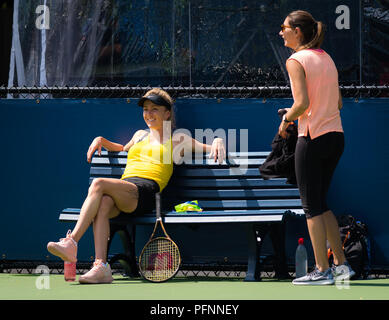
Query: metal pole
[[360, 43], [190, 45]]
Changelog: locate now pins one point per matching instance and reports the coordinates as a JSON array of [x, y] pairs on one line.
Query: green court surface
[[53, 287]]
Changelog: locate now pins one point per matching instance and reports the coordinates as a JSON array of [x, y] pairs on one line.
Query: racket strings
[[160, 259]]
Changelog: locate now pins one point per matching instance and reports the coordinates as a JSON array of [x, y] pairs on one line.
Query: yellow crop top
[[149, 161]]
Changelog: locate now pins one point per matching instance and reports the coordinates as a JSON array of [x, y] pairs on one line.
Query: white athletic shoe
[[316, 277]]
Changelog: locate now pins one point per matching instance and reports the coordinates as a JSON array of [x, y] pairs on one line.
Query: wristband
[[284, 119]]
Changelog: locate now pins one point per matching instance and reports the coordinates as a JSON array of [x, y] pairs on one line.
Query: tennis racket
[[160, 257]]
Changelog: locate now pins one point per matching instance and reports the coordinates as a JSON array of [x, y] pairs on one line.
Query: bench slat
[[227, 173], [286, 204], [249, 154], [187, 172], [195, 219], [76, 212], [96, 160], [227, 162], [224, 219], [250, 204], [203, 217], [104, 161], [231, 183], [107, 172], [223, 183], [238, 194], [104, 153]]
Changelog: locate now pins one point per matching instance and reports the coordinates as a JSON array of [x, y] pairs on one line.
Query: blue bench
[[232, 192]]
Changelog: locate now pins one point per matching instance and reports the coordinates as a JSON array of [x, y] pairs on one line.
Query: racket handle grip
[[158, 205]]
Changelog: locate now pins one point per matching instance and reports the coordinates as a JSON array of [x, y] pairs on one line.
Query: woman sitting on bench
[[148, 170]]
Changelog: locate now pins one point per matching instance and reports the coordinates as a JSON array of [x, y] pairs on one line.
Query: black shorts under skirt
[[146, 190]]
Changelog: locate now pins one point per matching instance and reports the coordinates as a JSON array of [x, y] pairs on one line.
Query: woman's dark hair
[[312, 30]]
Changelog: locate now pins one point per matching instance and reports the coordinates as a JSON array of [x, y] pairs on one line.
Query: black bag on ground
[[356, 245]]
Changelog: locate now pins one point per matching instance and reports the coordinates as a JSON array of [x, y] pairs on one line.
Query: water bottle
[[69, 271], [301, 259]]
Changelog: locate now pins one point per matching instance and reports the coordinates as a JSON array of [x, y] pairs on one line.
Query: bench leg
[[255, 234], [126, 259]]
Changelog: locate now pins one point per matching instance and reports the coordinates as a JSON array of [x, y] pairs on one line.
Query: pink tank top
[[322, 115]]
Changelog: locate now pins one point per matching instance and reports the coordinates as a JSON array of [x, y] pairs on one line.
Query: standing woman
[[317, 103]]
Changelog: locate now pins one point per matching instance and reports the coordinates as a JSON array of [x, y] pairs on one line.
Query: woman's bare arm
[[182, 143], [100, 142], [299, 90]]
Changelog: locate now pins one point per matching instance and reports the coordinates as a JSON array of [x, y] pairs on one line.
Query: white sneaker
[[316, 277]]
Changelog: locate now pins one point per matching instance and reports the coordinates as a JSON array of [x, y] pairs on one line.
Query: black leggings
[[315, 163]]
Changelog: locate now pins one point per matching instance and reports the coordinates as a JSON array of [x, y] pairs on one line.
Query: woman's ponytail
[[318, 36]]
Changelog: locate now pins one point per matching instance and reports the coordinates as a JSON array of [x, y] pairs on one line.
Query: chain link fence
[[267, 92]]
